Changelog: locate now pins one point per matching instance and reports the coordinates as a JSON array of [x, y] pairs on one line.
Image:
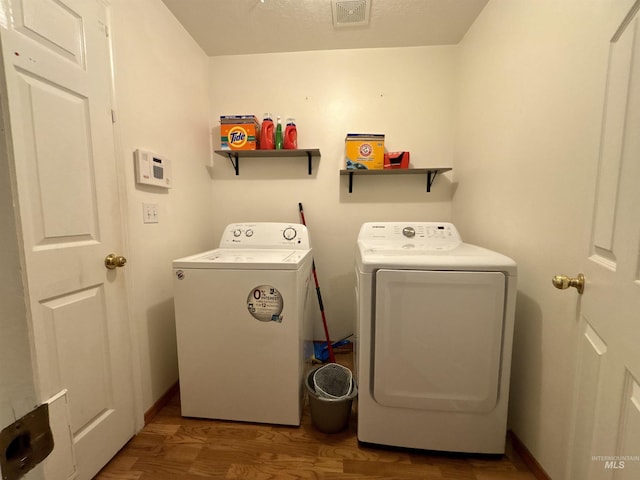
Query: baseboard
[[528, 459], [160, 403]]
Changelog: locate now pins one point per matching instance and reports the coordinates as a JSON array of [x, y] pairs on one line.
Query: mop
[[332, 357]]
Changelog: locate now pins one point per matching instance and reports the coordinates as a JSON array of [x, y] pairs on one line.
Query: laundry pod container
[[331, 390]]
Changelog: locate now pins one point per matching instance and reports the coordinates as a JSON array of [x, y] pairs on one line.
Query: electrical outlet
[[150, 213]]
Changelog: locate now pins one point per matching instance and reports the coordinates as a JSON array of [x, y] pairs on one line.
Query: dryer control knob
[[249, 233], [237, 232], [289, 233], [409, 232]]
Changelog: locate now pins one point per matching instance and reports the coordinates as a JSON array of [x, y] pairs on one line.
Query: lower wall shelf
[[234, 155], [430, 172]]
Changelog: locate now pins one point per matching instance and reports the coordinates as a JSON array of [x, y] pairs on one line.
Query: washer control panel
[[409, 236], [265, 235]]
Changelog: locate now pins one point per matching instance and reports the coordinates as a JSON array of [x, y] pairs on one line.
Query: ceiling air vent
[[350, 13]]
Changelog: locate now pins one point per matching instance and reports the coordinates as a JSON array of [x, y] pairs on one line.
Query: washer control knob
[[237, 232], [289, 233], [249, 233], [409, 232]]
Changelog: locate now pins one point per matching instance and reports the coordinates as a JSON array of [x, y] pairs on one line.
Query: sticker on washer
[[265, 304]]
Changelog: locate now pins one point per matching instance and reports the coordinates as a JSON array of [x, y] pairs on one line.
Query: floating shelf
[[235, 155], [430, 172]]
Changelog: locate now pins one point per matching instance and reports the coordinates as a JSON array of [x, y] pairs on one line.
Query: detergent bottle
[[291, 135], [279, 135], [266, 133]]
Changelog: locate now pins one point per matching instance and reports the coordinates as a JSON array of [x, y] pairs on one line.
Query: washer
[[243, 332], [434, 334]]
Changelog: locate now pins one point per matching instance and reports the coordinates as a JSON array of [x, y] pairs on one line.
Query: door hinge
[[104, 27]]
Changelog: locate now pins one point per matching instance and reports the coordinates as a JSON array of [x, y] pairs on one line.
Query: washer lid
[[411, 256], [245, 259]]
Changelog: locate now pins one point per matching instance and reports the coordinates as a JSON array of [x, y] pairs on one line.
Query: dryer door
[[438, 339]]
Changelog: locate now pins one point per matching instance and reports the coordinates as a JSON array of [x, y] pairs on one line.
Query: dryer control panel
[[265, 235], [408, 235]]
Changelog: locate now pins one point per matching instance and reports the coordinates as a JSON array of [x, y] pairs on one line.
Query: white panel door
[[438, 339], [57, 74], [606, 430]]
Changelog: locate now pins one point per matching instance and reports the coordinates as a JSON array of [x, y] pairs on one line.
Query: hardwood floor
[[177, 448]]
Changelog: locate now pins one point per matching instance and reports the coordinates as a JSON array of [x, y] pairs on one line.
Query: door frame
[[120, 156]]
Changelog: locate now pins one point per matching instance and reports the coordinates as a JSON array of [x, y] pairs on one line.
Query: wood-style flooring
[[177, 448]]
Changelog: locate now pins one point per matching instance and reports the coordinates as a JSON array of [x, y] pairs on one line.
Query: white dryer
[[433, 338], [243, 333]]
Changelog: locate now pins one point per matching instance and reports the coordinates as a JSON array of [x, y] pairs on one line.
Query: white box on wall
[[152, 169]]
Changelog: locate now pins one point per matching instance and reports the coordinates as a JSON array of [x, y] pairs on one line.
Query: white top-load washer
[[243, 331], [433, 338]]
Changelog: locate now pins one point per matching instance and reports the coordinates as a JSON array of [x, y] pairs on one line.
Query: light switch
[[150, 213]]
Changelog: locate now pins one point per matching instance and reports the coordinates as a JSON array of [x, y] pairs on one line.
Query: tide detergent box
[[364, 151], [239, 132]]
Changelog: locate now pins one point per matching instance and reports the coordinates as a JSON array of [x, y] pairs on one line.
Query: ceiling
[[237, 27]]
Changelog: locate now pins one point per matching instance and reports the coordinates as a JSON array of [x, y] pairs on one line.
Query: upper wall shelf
[[235, 155], [431, 173]]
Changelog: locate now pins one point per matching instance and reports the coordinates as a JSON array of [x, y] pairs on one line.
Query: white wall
[[530, 94], [405, 93], [163, 82], [162, 105]]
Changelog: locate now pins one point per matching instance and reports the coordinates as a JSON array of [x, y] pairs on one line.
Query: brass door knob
[[112, 261], [562, 282]]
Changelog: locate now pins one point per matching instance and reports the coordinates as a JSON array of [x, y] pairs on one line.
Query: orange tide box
[[364, 151], [239, 132]]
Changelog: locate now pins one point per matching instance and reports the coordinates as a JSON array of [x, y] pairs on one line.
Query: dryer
[[433, 339], [242, 324]]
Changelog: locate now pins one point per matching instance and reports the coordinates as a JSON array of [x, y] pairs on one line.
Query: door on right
[[606, 424]]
